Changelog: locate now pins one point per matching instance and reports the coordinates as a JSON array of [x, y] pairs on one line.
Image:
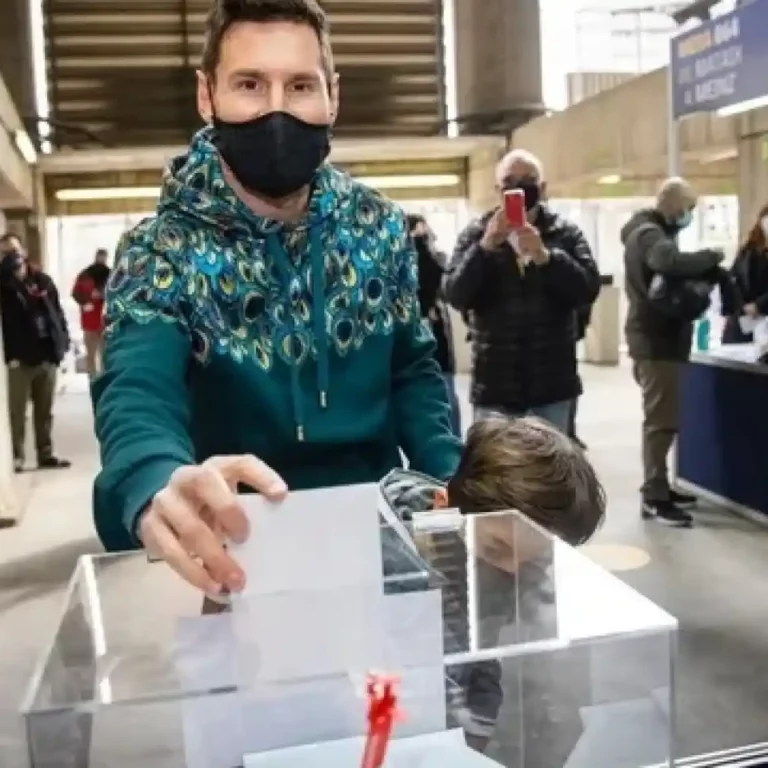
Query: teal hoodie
[[228, 334]]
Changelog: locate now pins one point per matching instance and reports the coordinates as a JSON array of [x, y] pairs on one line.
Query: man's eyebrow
[[253, 73], [258, 74]]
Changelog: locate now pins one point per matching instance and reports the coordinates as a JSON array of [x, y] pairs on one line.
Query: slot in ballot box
[[512, 649]]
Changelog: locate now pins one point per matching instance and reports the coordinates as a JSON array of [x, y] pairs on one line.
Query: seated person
[[522, 464]]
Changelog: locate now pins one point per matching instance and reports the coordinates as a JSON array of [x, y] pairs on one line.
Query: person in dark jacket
[[749, 275], [659, 341], [433, 308], [35, 340], [523, 289]]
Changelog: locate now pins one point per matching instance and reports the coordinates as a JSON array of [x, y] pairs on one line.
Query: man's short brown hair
[[225, 13], [530, 466]]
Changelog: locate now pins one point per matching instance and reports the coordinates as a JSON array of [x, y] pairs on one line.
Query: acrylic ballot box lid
[[543, 656]]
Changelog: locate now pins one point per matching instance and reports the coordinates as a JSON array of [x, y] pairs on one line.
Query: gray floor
[[710, 578]]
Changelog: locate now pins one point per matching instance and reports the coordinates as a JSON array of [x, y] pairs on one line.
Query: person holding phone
[[523, 272]]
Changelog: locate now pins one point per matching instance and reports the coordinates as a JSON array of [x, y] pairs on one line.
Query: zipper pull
[[300, 433], [323, 399]]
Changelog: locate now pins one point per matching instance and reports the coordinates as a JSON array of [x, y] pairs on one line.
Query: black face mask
[[530, 189], [273, 155]]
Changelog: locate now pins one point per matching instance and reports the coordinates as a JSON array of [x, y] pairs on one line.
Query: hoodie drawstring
[[318, 312], [317, 272]]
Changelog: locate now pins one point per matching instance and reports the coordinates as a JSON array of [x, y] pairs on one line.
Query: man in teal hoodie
[[268, 310]]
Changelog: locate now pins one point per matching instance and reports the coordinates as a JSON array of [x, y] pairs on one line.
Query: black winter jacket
[[650, 249], [523, 319], [34, 327], [433, 308]]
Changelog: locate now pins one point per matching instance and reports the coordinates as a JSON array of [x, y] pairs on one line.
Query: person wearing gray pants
[[664, 289], [35, 340]]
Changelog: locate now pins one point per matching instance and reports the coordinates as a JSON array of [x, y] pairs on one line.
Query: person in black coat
[[749, 277], [35, 340], [433, 308], [524, 289]]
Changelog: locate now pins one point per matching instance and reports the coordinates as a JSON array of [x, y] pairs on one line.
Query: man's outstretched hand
[[189, 521]]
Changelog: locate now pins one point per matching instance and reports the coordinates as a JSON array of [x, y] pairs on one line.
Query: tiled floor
[[711, 578]]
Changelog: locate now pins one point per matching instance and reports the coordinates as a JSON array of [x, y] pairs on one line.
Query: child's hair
[[528, 465]]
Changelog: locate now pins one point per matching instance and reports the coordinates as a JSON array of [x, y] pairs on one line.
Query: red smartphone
[[514, 207]]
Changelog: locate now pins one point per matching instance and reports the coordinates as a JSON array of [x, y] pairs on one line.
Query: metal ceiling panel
[[121, 72]]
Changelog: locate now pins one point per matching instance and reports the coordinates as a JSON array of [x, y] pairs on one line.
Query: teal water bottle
[[703, 328]]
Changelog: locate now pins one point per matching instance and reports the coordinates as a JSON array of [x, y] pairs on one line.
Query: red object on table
[[382, 712]]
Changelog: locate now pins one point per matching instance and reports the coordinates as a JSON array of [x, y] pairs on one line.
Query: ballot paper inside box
[[296, 666]]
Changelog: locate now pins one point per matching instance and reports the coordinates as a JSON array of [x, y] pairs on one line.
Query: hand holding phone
[[514, 208]]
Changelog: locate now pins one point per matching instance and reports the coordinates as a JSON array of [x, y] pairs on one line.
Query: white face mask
[[764, 225]]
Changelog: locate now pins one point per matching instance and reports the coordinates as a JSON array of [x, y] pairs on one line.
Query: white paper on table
[[446, 749], [313, 540]]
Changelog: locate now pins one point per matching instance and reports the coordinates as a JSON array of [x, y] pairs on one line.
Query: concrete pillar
[[752, 167], [498, 58]]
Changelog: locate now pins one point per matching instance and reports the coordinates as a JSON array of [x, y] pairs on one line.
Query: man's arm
[[663, 257], [571, 271], [140, 402], [470, 266], [419, 394]]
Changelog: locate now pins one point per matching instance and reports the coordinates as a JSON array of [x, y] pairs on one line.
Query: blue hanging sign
[[721, 63]]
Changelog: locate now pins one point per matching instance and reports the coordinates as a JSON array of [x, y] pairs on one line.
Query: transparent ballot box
[[511, 649]]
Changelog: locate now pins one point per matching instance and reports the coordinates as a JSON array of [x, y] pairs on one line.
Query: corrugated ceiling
[[121, 72]]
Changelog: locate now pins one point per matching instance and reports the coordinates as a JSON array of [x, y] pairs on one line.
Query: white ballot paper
[[438, 750], [312, 621], [312, 541]]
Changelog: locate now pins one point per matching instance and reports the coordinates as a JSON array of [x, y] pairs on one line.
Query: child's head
[[528, 465]]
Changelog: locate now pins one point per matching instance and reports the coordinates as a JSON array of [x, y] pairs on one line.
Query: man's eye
[[302, 87], [249, 85]]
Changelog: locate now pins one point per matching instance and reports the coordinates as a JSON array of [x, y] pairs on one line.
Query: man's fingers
[[209, 489], [196, 537], [161, 541], [254, 473]]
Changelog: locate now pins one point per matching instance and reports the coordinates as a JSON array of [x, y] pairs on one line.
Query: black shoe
[[666, 512], [683, 500], [18, 466], [51, 462]]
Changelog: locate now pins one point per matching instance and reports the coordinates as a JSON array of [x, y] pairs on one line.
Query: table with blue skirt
[[723, 440]]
